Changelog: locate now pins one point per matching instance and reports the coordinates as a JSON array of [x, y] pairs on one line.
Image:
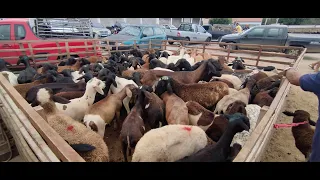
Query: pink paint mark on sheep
[[187, 128], [70, 128]]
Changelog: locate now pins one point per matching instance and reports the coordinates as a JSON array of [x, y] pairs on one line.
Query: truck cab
[[16, 33]]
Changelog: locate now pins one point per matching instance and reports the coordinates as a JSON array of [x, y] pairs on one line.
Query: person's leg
[[312, 65]]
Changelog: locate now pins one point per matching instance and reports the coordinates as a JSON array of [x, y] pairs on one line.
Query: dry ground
[[281, 147]]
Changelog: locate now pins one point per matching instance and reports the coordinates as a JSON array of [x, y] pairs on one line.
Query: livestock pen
[[36, 141]]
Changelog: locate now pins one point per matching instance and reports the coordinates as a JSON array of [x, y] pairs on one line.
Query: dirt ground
[[281, 147]]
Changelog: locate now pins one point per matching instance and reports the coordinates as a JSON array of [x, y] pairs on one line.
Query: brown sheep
[[225, 68], [206, 94], [265, 98], [74, 67], [303, 133], [24, 88], [71, 94]]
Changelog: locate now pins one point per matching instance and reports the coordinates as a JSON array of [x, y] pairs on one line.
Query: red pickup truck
[[13, 29]]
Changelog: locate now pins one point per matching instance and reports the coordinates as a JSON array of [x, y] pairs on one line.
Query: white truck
[[189, 32]]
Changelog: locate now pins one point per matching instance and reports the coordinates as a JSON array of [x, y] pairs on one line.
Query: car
[[216, 33], [190, 32], [139, 33], [99, 30], [276, 35], [169, 30]]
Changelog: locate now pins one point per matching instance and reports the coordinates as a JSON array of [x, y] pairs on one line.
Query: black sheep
[[183, 65], [221, 151], [26, 75], [3, 65]]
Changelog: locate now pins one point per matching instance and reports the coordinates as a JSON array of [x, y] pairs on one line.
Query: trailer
[[36, 141]]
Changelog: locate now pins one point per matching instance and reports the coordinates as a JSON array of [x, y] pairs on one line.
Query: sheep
[[136, 53], [169, 143], [28, 73], [74, 67], [104, 111], [236, 82], [236, 107], [133, 128], [240, 138], [242, 95], [43, 68], [121, 83], [206, 94], [183, 65], [265, 98], [204, 72], [230, 85], [238, 64], [303, 133], [90, 146], [199, 116], [154, 108], [24, 88], [176, 110], [220, 151], [12, 78], [77, 107]]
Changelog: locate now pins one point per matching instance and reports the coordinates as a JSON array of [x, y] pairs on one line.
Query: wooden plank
[[31, 130], [258, 58], [86, 45], [14, 119], [67, 49], [263, 112], [59, 49], [58, 145]]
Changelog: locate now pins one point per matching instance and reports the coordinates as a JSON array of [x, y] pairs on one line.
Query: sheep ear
[[82, 147], [60, 100], [98, 89], [128, 92], [288, 113], [169, 88], [312, 123]]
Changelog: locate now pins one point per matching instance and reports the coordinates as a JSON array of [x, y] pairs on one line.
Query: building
[[174, 21], [249, 21]]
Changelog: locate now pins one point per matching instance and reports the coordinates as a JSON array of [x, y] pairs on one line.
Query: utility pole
[[277, 20], [265, 22]]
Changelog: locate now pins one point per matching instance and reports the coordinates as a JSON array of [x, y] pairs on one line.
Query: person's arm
[[307, 82]]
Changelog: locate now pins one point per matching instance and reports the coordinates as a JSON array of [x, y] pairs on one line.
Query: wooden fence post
[[86, 44], [165, 44], [59, 49], [258, 59], [150, 45], [94, 47], [68, 50], [109, 48], [135, 44]]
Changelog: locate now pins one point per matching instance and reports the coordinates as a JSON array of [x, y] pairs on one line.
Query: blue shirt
[[311, 83]]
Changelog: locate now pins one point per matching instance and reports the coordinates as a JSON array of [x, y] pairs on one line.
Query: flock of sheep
[[180, 106]]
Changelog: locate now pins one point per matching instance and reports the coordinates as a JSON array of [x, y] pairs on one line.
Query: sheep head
[[164, 84], [238, 122], [24, 59], [97, 85], [300, 116]]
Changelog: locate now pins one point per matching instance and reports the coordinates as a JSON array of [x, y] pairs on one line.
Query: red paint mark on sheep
[[187, 128], [70, 128]]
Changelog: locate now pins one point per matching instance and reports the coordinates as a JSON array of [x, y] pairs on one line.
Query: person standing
[[238, 28], [311, 83]]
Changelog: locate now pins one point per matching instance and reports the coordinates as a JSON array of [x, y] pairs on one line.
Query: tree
[[293, 21], [220, 21]]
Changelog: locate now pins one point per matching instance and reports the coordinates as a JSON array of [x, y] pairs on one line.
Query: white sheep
[[12, 78], [234, 80], [75, 75], [253, 112], [77, 107], [169, 143], [121, 83]]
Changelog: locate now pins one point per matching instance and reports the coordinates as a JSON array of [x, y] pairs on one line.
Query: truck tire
[[187, 39], [170, 43], [231, 47], [208, 40], [292, 51]]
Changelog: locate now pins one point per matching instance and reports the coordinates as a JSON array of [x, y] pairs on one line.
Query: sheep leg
[[124, 151], [116, 121], [126, 104]]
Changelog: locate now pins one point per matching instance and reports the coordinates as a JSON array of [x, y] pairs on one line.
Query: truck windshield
[[131, 31], [97, 25], [206, 27]]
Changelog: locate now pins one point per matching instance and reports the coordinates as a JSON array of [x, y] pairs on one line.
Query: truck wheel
[[170, 43], [208, 40], [293, 52], [231, 47], [187, 39]]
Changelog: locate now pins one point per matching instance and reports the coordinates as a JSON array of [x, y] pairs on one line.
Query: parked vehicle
[[139, 33], [169, 30], [190, 32], [99, 30], [216, 33], [13, 29], [273, 35]]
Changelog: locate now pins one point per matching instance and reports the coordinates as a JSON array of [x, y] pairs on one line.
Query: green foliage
[[220, 21], [299, 21]]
